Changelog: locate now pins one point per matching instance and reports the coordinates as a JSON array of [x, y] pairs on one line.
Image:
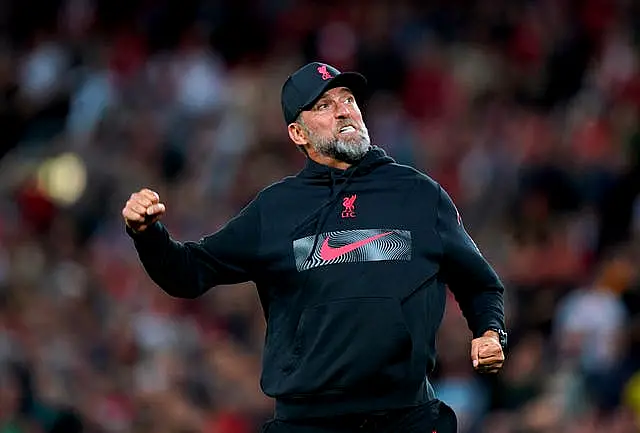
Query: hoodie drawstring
[[374, 158], [326, 209]]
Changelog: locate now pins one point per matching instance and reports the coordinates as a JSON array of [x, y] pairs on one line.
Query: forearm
[[484, 310], [170, 264], [469, 275]]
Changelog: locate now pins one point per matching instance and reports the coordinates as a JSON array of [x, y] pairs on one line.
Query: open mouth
[[347, 129]]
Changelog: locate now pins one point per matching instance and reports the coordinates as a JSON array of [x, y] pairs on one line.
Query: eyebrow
[[343, 92], [320, 101]]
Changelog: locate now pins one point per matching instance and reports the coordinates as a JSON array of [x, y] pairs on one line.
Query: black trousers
[[432, 417]]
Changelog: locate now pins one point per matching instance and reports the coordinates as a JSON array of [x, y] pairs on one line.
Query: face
[[333, 127]]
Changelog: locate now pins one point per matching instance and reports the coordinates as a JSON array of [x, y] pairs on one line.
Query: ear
[[297, 134]]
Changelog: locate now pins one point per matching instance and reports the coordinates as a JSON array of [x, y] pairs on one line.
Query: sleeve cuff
[[487, 327], [149, 237]]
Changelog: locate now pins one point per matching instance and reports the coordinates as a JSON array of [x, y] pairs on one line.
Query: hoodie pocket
[[358, 343]]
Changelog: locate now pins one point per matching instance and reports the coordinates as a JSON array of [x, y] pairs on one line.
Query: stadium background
[[526, 111]]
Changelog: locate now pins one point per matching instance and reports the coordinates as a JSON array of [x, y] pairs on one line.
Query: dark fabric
[[304, 87], [433, 417], [351, 268]]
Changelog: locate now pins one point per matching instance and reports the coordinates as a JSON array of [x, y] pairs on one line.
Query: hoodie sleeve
[[189, 269], [473, 282]]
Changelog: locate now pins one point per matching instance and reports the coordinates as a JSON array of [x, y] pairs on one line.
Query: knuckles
[[136, 199]]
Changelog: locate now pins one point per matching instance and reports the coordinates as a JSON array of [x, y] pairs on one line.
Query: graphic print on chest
[[349, 207], [351, 246]]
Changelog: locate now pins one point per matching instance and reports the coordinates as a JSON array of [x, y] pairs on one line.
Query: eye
[[322, 106], [350, 100]]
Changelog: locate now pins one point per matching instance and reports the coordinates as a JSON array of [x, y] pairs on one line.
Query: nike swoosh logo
[[330, 253]]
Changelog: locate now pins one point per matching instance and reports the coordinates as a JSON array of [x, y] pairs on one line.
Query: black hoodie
[[350, 266]]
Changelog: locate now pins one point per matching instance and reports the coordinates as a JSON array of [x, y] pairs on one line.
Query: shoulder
[[406, 172], [275, 189]]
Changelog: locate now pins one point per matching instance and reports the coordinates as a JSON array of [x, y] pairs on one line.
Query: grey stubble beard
[[348, 150]]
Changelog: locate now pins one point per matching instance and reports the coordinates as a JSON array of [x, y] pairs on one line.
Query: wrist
[[492, 334], [498, 334], [131, 230]]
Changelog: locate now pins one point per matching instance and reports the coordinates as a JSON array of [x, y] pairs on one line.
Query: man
[[350, 258]]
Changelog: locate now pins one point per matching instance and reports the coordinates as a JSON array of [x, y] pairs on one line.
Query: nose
[[342, 111]]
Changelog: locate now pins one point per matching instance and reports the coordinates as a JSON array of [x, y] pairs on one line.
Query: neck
[[327, 160]]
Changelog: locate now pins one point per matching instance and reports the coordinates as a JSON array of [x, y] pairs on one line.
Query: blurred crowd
[[526, 111]]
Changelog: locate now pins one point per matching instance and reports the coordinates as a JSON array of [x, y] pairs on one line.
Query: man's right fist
[[142, 209]]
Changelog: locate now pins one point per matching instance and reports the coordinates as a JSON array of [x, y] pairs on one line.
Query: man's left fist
[[486, 353]]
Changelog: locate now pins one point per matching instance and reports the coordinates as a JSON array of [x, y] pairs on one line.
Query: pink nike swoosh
[[330, 253]]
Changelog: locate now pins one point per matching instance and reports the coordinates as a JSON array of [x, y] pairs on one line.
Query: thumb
[[155, 209], [475, 353]]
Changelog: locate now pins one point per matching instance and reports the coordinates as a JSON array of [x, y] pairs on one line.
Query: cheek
[[325, 129], [322, 125]]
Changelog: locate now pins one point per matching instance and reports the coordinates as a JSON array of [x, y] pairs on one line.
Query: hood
[[374, 158]]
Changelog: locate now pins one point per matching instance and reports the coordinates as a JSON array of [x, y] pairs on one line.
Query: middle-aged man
[[351, 258]]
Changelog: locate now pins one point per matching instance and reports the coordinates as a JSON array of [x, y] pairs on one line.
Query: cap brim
[[354, 81]]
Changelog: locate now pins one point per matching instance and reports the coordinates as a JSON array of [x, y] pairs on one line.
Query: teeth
[[347, 129]]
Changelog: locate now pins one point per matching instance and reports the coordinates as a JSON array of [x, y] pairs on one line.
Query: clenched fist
[[486, 353], [142, 209]]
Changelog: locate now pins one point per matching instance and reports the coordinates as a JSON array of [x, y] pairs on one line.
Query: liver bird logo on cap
[[322, 70]]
